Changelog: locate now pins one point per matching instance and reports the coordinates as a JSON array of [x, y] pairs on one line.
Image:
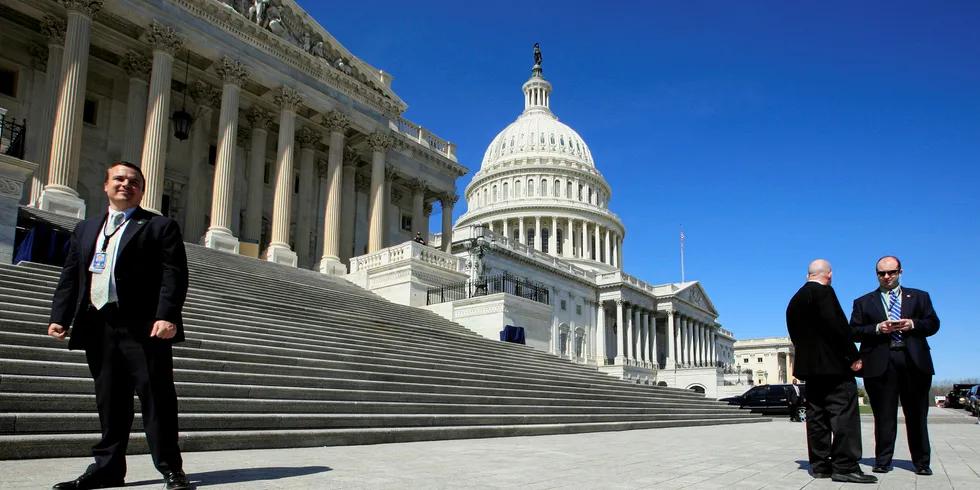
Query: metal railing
[[12, 136], [500, 283]]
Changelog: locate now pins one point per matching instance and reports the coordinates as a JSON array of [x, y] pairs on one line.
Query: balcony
[[424, 137]]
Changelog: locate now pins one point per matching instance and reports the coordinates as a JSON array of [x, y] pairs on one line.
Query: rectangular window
[[8, 82], [759, 360], [564, 305], [407, 222], [90, 112], [578, 309], [745, 360]]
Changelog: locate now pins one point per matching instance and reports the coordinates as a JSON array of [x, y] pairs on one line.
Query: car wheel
[[801, 414]]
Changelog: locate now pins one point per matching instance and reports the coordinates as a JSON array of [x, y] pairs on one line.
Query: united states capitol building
[[263, 136]]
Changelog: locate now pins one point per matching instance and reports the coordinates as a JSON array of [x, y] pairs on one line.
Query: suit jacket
[[819, 331], [868, 312], [151, 278]]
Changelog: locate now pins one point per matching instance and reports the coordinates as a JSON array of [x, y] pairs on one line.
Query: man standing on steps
[[122, 288], [892, 323], [827, 360]]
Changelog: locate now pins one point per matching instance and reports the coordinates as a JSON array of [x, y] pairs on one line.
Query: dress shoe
[[817, 474], [924, 471], [176, 480], [882, 469], [856, 477], [87, 481]]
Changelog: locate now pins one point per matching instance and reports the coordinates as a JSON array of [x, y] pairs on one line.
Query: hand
[[857, 365], [163, 329], [885, 327], [57, 331], [902, 325]]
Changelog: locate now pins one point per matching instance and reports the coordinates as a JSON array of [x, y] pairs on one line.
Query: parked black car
[[973, 400], [957, 396], [771, 400]]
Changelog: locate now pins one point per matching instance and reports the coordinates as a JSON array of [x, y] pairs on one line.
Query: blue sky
[[775, 132]]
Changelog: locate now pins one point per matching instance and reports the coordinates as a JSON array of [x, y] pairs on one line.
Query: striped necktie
[[894, 313]]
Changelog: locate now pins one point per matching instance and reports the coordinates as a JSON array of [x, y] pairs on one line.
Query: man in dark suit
[[826, 360], [122, 288], [892, 323]]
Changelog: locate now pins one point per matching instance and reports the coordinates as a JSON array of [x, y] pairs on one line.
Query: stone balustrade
[[405, 252], [622, 277], [424, 137]]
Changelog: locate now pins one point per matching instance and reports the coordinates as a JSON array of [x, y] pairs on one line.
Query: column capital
[[87, 8], [380, 142], [244, 137], [307, 138], [258, 117], [39, 56], [136, 65], [390, 173], [449, 200], [336, 121], [427, 209], [288, 99], [351, 157], [54, 29], [322, 168], [162, 38], [396, 195], [231, 71], [620, 302], [205, 94], [418, 186]]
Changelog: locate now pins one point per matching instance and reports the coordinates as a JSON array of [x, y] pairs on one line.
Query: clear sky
[[775, 132]]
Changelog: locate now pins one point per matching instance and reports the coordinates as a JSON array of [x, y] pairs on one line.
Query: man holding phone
[[892, 323]]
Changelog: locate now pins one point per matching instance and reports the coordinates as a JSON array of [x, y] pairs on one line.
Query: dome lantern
[[537, 90]]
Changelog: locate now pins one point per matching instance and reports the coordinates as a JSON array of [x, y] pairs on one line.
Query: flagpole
[[682, 253]]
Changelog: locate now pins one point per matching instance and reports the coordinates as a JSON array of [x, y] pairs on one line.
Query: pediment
[[694, 294]]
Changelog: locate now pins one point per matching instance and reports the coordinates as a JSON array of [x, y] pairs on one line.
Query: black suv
[[957, 396], [770, 400]]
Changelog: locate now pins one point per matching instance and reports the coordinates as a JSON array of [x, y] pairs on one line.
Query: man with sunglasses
[[892, 323]]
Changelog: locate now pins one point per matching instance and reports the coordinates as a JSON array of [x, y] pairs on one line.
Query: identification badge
[[98, 263]]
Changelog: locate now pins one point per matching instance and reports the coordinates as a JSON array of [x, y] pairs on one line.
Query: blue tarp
[[43, 246], [512, 334]]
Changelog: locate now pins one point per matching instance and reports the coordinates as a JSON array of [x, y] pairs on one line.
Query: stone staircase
[[280, 357]]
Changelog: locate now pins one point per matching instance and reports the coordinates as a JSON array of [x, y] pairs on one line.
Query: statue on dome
[[537, 55]]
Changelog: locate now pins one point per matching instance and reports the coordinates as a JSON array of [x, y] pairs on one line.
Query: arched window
[[557, 188], [568, 191], [517, 189], [505, 191], [544, 188], [530, 238], [496, 196], [558, 242], [590, 196], [530, 188], [580, 188], [544, 240], [486, 196]]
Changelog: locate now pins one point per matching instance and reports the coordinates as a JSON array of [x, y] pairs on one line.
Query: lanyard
[[106, 238]]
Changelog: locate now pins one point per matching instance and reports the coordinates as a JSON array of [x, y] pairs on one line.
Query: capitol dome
[[539, 189]]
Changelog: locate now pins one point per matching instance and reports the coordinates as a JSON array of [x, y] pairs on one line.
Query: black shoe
[[924, 471], [88, 480], [176, 480], [882, 469], [856, 477], [817, 474]]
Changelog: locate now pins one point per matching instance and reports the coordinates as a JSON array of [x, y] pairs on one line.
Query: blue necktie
[[894, 313]]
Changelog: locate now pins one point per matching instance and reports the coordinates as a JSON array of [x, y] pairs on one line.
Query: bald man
[[826, 360]]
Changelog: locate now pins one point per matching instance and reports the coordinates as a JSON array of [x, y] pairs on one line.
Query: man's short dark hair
[[124, 163], [889, 257]]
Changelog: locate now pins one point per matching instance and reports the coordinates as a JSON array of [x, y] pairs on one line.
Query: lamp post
[[479, 247], [738, 371]]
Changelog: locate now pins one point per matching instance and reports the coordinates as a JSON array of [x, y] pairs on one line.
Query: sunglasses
[[894, 272]]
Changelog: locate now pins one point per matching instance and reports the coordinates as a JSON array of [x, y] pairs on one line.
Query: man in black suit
[[123, 285], [892, 323], [826, 360]]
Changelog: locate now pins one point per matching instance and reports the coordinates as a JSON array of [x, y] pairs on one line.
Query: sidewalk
[[752, 456]]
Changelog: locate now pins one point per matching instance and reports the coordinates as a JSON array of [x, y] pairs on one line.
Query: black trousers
[[120, 365], [833, 424], [901, 381]]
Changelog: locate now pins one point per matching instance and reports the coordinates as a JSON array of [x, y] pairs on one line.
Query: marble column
[[619, 251], [630, 333], [654, 354], [537, 233], [165, 42], [620, 333], [596, 247], [348, 198], [219, 235], [288, 100], [685, 342], [337, 124], [448, 202], [307, 139], [600, 336], [389, 200], [713, 354], [205, 98], [569, 240], [396, 214], [137, 69], [553, 237], [59, 194], [521, 231], [641, 335], [427, 212], [671, 332], [608, 247], [380, 144], [53, 29], [418, 187], [259, 120]]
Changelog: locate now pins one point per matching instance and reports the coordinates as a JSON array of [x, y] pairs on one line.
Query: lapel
[[88, 238], [907, 300], [136, 223], [878, 306]]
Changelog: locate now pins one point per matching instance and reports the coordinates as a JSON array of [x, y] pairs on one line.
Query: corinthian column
[[307, 139], [206, 98], [379, 144], [337, 123], [219, 236], [389, 200], [600, 335], [259, 120], [671, 341], [137, 69], [348, 196], [418, 187], [54, 29], [448, 201], [288, 101], [165, 42], [427, 212], [620, 333], [59, 194]]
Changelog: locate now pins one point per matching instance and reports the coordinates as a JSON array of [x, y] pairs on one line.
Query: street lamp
[[479, 247]]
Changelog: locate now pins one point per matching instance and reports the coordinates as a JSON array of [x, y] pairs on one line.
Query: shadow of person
[[242, 475], [804, 464]]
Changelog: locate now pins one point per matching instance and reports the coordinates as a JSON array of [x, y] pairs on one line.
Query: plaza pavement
[[751, 456]]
